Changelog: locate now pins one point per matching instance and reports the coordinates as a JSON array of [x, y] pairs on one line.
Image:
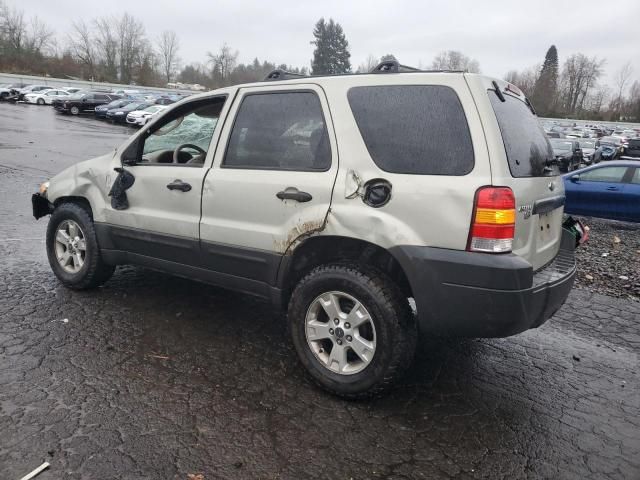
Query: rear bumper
[[470, 294]]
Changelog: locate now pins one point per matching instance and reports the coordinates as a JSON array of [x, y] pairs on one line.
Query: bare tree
[[168, 46], [223, 62], [455, 60], [621, 78], [525, 80], [82, 46], [106, 45], [598, 99], [13, 28], [369, 63], [131, 38], [38, 36], [579, 74]]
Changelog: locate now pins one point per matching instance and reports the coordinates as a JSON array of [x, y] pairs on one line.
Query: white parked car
[[46, 97], [141, 117], [32, 89]]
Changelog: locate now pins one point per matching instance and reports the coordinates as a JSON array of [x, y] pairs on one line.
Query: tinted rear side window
[[525, 143], [415, 129]]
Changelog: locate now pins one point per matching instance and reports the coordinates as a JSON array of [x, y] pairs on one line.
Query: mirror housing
[[130, 155], [575, 178]]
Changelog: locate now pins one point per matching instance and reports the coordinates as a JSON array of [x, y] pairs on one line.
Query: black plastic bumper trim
[[469, 294], [41, 206]]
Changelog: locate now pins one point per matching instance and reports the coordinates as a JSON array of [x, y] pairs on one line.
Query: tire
[[74, 110], [93, 272], [40, 101], [391, 325]]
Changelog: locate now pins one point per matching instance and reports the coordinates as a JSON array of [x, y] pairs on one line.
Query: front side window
[[184, 137], [604, 174], [283, 131], [414, 129]]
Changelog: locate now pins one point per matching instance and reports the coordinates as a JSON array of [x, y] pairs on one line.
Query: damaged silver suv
[[368, 207]]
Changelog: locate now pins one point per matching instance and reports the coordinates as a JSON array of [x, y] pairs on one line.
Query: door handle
[[292, 193], [613, 189], [179, 185]]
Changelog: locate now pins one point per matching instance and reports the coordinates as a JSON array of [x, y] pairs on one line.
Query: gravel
[[609, 263]]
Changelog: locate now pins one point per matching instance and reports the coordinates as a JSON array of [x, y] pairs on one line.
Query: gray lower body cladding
[[471, 294]]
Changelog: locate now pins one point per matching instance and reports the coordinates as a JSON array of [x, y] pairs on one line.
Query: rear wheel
[[352, 328], [41, 101], [75, 110], [72, 248]]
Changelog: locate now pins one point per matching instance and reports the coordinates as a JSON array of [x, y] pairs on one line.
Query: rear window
[[413, 129], [525, 143]]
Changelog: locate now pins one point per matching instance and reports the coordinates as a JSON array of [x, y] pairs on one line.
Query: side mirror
[[130, 155], [575, 178]]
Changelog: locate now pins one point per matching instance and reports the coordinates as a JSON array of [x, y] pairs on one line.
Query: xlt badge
[[526, 210]]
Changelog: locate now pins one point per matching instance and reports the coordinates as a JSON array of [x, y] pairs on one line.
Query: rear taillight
[[494, 220]]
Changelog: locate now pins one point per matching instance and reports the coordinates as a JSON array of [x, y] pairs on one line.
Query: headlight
[[119, 113], [43, 188]]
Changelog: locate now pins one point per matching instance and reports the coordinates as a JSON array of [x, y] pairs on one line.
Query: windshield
[[196, 127], [560, 145], [584, 144], [134, 106]]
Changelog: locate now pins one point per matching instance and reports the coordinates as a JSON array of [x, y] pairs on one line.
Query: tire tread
[[405, 325]]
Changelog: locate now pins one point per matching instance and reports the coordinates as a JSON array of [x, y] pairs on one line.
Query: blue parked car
[[606, 190]]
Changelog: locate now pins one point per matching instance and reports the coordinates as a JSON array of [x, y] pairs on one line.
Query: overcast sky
[[501, 35]]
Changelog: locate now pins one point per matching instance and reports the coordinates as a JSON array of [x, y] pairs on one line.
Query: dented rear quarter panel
[[429, 210]]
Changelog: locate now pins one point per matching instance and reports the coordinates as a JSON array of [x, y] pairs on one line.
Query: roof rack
[[279, 74], [392, 66]]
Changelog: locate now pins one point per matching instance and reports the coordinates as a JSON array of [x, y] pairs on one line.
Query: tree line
[[575, 90], [117, 49]]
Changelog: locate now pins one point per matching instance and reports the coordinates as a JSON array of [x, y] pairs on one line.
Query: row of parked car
[[132, 107], [590, 144]]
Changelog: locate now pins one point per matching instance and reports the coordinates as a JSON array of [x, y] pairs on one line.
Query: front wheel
[[75, 110], [352, 328], [41, 101], [72, 248]]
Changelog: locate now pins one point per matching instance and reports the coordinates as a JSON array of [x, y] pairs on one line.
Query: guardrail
[[65, 82]]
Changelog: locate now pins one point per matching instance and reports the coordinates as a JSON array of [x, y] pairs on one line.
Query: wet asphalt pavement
[[154, 377]]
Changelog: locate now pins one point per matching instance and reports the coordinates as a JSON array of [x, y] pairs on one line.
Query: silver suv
[[368, 207]]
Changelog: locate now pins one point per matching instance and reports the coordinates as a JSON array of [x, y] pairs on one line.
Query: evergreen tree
[[331, 55], [546, 86]]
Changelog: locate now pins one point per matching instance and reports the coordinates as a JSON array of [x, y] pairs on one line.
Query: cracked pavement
[[155, 377]]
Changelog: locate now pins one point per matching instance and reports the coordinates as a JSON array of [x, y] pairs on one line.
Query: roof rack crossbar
[[392, 66], [280, 74]]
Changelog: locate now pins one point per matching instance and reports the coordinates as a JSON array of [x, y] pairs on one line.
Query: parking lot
[[155, 377]]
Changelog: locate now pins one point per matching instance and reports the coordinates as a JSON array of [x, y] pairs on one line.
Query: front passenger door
[[600, 191]]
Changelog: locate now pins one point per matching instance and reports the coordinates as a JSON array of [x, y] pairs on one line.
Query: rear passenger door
[[271, 182]]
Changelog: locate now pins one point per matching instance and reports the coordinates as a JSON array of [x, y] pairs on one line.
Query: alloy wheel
[[70, 246], [340, 332]]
